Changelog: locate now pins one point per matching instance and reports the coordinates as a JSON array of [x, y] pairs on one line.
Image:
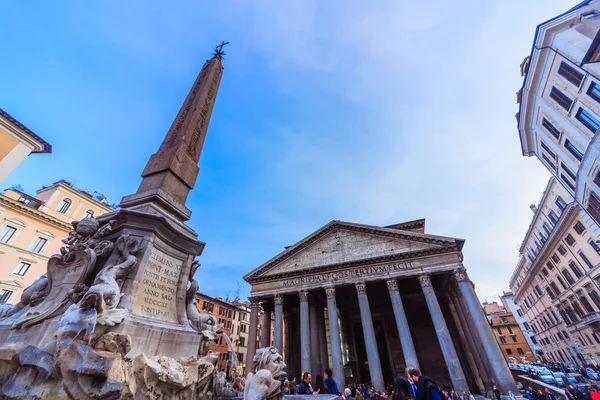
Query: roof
[[417, 225], [46, 147], [445, 243]]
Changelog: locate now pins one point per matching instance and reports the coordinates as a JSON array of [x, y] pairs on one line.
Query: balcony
[[591, 319]]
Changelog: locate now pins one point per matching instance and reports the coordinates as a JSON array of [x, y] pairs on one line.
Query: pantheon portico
[[371, 301]]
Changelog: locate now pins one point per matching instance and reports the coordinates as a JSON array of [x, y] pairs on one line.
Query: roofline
[[459, 243], [533, 48], [221, 301], [69, 186], [551, 182], [46, 147]]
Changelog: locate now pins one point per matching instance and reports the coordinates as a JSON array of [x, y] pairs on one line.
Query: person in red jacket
[[594, 393]]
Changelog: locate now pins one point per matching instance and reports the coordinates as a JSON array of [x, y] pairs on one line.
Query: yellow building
[[16, 143], [31, 230], [508, 333]]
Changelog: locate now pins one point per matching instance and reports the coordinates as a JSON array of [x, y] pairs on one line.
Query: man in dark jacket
[[427, 389], [305, 387]]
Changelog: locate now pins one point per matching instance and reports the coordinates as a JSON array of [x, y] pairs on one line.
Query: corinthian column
[[304, 332], [370, 340], [252, 334], [278, 329], [452, 361], [335, 338], [502, 374], [408, 347], [265, 334]]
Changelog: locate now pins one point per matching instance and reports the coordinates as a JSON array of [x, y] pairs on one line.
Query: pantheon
[[369, 302]]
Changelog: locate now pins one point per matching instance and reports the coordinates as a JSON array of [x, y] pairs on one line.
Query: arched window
[[64, 206], [89, 214]]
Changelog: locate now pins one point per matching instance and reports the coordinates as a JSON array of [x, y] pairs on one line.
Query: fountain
[[116, 315]]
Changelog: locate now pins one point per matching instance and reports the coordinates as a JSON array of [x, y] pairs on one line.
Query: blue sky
[[371, 112]]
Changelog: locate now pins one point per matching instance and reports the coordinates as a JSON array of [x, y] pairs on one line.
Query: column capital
[[303, 295], [425, 281], [254, 302], [330, 291], [278, 299], [361, 287], [461, 275], [392, 285]]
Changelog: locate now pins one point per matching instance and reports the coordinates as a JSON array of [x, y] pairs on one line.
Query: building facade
[[508, 334], [16, 143], [559, 102], [31, 230], [509, 303], [555, 282], [352, 273]]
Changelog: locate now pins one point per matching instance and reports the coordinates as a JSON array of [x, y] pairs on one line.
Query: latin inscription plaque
[[157, 292]]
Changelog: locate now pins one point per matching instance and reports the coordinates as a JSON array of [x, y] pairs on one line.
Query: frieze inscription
[[348, 274], [157, 293]]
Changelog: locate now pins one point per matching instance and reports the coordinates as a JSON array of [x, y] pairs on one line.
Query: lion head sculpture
[[269, 358]]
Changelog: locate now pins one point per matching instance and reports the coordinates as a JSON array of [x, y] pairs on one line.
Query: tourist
[[426, 388], [454, 395], [471, 397], [496, 392], [594, 395], [540, 395], [511, 396], [529, 393], [401, 389], [550, 396], [305, 386], [348, 394], [330, 382], [320, 385], [237, 386], [292, 385]]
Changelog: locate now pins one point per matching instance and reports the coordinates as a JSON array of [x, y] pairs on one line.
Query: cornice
[[565, 218], [43, 146], [32, 212], [350, 264], [338, 225], [80, 193]]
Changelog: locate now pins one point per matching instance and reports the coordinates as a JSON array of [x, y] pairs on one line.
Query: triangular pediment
[[341, 243]]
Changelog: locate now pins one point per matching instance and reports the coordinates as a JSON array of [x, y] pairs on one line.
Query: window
[[550, 163], [533, 339], [550, 265], [526, 326], [567, 181], [555, 288], [64, 206], [568, 171], [573, 150], [586, 304], [550, 128], [588, 120], [502, 340], [38, 244], [561, 99], [568, 276], [594, 91], [550, 293], [505, 320], [22, 268], [7, 234], [499, 330], [514, 339], [555, 258], [520, 351], [570, 74], [547, 228], [594, 246], [595, 337], [553, 217], [562, 250], [544, 271], [550, 152], [519, 312], [575, 269], [579, 228], [89, 214], [561, 203], [5, 295], [242, 341], [595, 298], [570, 239], [585, 259], [244, 328], [508, 351]]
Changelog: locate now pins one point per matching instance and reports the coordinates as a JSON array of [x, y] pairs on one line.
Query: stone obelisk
[[155, 291], [171, 172]]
